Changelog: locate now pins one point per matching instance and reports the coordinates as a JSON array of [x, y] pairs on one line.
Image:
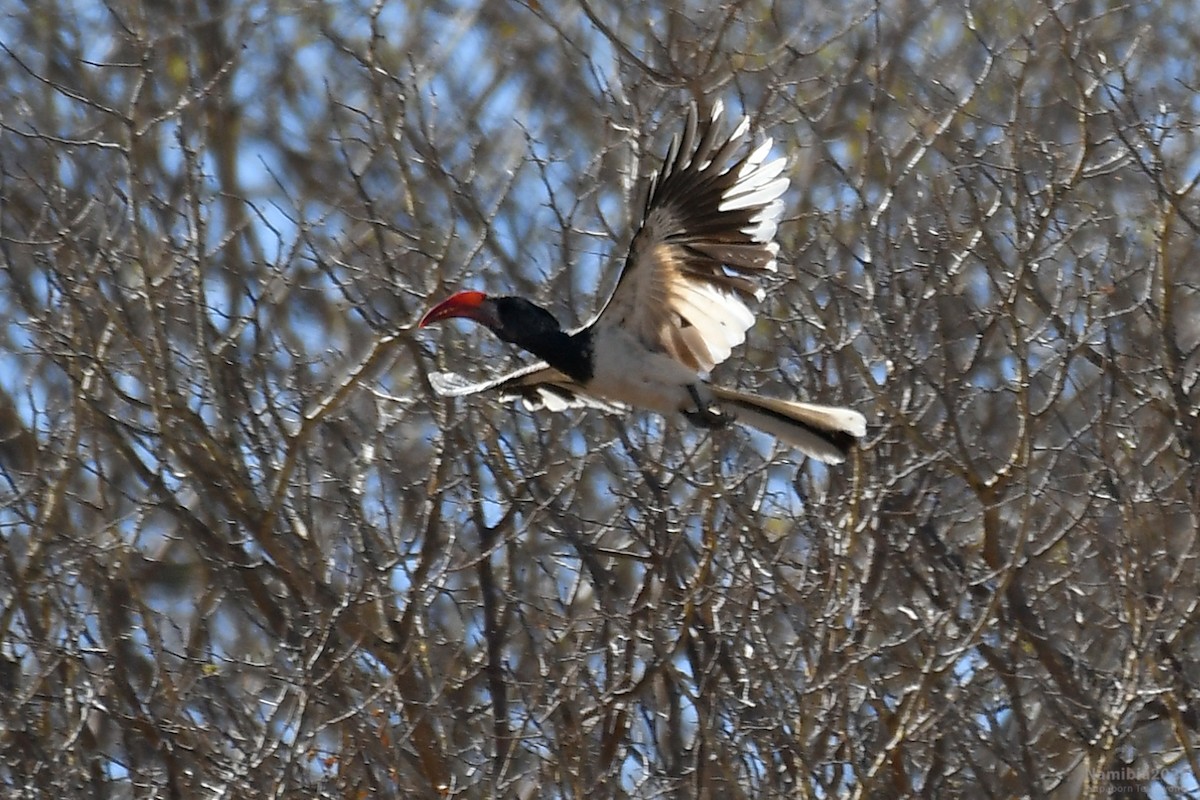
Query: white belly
[[626, 372]]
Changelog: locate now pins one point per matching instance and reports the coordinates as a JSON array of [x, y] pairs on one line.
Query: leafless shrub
[[247, 553]]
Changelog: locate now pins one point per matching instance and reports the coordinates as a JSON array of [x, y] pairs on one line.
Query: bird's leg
[[707, 414]]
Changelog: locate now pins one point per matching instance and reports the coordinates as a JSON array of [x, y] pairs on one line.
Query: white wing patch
[[537, 386]]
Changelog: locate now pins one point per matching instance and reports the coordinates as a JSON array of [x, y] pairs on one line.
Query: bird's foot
[[710, 417], [707, 414]]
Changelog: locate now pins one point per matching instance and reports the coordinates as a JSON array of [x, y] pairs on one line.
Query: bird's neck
[[566, 352]]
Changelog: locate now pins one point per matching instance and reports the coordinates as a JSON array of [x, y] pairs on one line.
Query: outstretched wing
[[707, 233], [538, 386]]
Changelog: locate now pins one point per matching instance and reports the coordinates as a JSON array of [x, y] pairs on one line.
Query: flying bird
[[679, 307]]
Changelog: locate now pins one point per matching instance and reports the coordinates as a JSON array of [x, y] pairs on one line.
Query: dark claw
[[710, 417], [706, 415]]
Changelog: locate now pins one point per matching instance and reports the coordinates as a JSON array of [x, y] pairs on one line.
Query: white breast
[[625, 371]]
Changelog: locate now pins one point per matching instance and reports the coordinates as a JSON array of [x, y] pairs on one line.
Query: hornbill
[[678, 309]]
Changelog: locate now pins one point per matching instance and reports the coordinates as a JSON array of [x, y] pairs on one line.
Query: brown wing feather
[[707, 235]]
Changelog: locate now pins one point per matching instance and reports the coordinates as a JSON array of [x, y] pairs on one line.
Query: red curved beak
[[470, 305]]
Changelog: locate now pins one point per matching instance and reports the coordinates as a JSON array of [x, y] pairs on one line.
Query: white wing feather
[[707, 233], [537, 386]]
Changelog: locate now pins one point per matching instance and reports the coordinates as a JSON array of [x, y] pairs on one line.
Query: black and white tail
[[826, 433]]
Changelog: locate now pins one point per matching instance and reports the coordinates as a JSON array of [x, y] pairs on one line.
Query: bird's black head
[[522, 321], [525, 324], [513, 319]]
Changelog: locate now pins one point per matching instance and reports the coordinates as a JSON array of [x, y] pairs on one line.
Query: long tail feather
[[826, 433]]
